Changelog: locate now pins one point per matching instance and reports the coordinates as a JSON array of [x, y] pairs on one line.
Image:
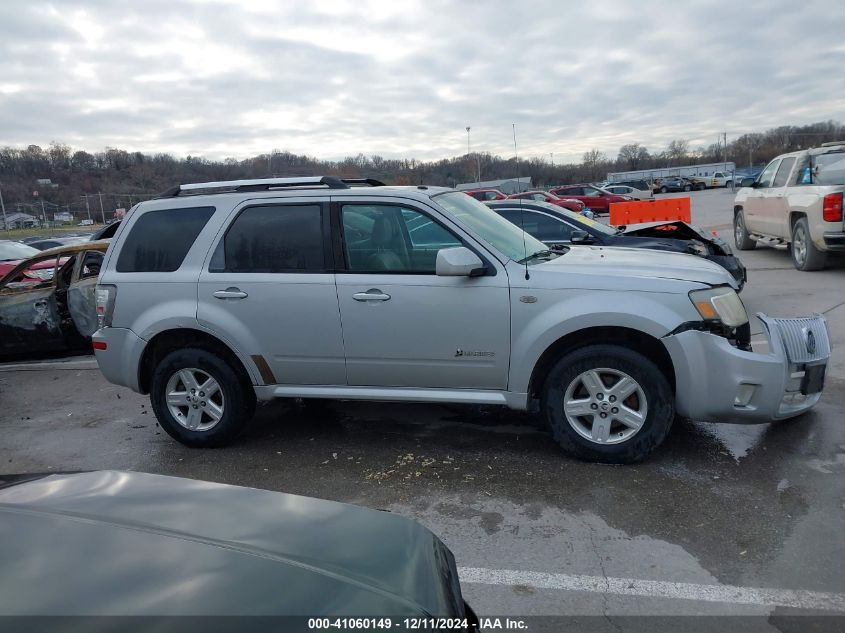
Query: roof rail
[[267, 184], [832, 143]]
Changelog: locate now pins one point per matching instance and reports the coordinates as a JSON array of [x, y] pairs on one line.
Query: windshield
[[16, 250], [488, 226]]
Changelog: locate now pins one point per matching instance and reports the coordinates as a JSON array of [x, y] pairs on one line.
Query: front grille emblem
[[811, 342]]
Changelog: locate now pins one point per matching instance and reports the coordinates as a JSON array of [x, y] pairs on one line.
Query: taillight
[[106, 294], [832, 208]]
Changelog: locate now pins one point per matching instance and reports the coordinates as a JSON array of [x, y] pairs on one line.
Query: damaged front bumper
[[717, 382]]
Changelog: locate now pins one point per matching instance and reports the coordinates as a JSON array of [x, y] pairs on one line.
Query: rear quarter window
[[160, 240]]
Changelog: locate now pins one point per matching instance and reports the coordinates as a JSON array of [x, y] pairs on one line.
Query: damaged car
[[48, 303], [555, 226]]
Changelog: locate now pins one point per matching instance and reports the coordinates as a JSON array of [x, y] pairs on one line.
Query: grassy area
[[17, 234]]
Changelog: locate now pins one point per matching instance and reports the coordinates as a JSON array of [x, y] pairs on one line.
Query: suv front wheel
[[741, 238], [199, 399], [607, 403]]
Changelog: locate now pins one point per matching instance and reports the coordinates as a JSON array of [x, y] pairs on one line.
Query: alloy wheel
[[605, 406], [194, 399]]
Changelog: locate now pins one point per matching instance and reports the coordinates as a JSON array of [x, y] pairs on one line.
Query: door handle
[[230, 293], [373, 294]]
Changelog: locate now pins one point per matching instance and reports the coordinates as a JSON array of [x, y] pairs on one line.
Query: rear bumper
[[834, 241], [716, 382], [120, 361]]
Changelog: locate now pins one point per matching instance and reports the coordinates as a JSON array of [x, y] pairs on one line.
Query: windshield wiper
[[544, 254]]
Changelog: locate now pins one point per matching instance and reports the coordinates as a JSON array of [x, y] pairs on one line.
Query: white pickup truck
[[796, 200]]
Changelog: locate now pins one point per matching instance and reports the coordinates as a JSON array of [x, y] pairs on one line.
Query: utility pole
[[100, 193], [43, 212], [3, 207], [87, 206]]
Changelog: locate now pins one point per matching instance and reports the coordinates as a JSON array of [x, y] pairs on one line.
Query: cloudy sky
[[402, 78]]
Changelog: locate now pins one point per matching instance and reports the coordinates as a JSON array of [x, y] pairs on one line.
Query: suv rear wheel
[[199, 399], [805, 255], [607, 403]]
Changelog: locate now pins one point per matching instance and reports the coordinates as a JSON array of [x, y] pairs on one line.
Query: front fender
[[537, 326]]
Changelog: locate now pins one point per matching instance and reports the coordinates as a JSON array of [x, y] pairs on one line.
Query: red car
[[597, 199], [544, 196], [485, 194], [13, 253]]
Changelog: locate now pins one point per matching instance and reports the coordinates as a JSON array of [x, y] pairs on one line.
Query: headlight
[[722, 304]]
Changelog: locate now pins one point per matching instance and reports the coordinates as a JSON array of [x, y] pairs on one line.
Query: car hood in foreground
[[119, 543], [628, 264]]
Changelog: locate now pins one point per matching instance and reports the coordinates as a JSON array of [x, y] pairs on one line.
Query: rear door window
[[159, 240], [273, 239]]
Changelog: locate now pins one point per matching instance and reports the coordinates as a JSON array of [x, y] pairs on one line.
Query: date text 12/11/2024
[[415, 624]]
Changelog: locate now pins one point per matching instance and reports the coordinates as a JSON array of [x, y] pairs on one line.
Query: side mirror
[[747, 182], [581, 237], [458, 262]]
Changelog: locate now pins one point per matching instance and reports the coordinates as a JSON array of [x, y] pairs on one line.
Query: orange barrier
[[639, 211]]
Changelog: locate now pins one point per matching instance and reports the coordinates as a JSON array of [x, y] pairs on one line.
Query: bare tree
[[594, 160], [633, 155], [677, 150]]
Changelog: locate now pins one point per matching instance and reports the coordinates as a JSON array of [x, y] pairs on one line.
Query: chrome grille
[[795, 333]]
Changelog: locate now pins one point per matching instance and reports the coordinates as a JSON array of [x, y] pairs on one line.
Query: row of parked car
[[585, 198]]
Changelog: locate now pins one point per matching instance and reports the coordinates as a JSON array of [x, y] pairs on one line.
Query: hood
[[638, 263], [120, 543], [677, 230]]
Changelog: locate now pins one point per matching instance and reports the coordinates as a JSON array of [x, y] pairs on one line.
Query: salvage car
[[674, 183], [485, 194], [167, 546], [48, 302], [544, 196], [555, 226], [13, 253], [597, 200], [54, 242], [215, 296]]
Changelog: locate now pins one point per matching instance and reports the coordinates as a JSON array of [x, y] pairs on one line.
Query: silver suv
[[217, 295]]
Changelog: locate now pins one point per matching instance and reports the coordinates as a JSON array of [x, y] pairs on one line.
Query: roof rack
[[832, 143], [268, 184]]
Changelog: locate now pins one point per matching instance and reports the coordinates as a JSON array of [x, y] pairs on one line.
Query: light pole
[[3, 207], [477, 158]]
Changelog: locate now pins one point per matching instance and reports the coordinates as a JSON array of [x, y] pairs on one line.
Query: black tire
[[664, 190], [728, 184], [805, 255], [238, 398], [741, 238], [701, 187], [687, 188], [659, 404]]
